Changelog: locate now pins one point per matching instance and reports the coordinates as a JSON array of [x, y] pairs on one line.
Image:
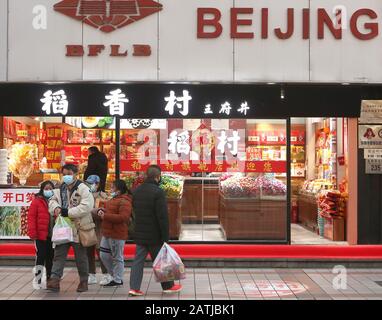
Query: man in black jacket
[[97, 165], [151, 228]]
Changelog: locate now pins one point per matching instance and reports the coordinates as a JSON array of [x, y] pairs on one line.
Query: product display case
[[173, 186], [253, 208]]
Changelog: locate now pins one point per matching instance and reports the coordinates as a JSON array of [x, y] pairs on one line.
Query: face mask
[[48, 194], [68, 180], [93, 188], [114, 194]]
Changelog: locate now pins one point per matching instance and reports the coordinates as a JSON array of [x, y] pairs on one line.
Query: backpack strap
[[75, 187]]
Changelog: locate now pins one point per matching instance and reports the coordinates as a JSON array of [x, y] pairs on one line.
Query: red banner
[[242, 166]]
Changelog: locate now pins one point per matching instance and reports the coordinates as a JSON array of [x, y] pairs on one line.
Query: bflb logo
[[108, 15]]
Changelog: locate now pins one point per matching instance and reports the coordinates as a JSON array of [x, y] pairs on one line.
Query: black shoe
[[113, 284]]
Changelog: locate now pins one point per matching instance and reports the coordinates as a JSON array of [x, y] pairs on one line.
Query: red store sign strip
[[244, 166]]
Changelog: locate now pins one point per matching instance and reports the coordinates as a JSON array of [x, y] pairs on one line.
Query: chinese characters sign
[[371, 111], [191, 166], [116, 101], [179, 103], [55, 103], [370, 136], [14, 208], [16, 197], [201, 150]]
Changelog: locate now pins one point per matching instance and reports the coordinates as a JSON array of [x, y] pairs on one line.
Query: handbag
[[88, 236]]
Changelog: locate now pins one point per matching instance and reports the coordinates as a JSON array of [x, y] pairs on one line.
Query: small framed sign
[[371, 154], [373, 166]]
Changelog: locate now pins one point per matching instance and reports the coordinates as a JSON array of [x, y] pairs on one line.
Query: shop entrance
[[319, 180]]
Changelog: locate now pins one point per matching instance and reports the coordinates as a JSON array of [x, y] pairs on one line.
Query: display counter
[[308, 210], [174, 217], [253, 218]]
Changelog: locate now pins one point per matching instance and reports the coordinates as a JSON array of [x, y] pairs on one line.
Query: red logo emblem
[[108, 15]]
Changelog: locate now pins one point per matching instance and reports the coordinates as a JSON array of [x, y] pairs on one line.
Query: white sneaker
[[92, 279], [37, 279], [36, 285], [106, 278]]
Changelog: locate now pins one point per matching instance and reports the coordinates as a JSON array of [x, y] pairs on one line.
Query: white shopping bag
[[168, 266], [62, 231]]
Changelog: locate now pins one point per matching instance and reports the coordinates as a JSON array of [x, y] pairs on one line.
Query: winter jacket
[[39, 219], [116, 218], [81, 203], [97, 165], [150, 213]]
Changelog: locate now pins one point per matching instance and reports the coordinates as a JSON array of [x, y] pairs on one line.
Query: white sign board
[[373, 167], [369, 136], [243, 44], [16, 197], [372, 154], [371, 111]]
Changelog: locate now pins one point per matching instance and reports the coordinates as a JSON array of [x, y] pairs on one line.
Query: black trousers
[[44, 255]]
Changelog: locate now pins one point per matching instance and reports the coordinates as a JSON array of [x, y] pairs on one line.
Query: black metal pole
[[117, 147], [289, 184]]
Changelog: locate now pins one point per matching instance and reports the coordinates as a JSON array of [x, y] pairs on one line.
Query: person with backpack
[[74, 200], [40, 227], [115, 217], [151, 228]]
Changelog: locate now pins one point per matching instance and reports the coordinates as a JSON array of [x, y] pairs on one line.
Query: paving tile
[[208, 284]]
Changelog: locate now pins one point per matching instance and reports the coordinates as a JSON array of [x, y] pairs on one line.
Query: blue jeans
[[112, 257]]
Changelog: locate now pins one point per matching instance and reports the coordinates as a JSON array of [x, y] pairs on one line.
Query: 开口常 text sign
[[16, 197]]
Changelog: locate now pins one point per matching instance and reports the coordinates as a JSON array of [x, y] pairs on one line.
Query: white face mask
[[93, 188]]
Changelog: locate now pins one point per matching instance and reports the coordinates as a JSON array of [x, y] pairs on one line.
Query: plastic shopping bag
[[168, 266], [62, 231]]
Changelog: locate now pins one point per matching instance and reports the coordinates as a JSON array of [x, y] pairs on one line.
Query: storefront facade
[[217, 66]]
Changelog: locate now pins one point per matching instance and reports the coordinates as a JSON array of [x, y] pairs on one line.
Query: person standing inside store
[[115, 217], [73, 200], [97, 165], [100, 199], [40, 226], [151, 228]]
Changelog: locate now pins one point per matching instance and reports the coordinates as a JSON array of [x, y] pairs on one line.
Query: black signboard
[[178, 100]]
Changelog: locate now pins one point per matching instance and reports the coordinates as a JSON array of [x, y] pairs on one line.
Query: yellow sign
[[22, 133]]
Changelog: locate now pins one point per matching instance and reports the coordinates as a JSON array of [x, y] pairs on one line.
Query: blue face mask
[[114, 194], [48, 194], [68, 180]]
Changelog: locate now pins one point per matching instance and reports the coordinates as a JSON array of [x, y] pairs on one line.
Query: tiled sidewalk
[[217, 284]]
